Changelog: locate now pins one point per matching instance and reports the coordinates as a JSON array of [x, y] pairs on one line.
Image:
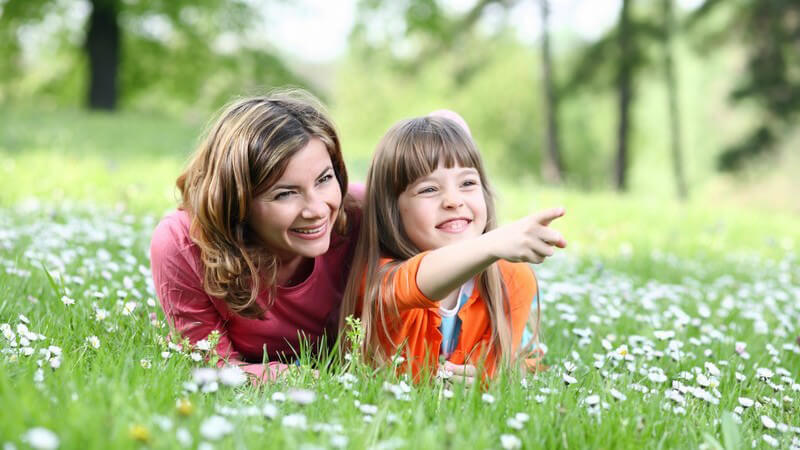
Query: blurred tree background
[[671, 100]]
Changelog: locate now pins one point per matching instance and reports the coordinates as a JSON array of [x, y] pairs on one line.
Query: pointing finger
[[548, 215]]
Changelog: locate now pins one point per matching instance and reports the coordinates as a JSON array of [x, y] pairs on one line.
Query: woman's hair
[[244, 152], [412, 149]]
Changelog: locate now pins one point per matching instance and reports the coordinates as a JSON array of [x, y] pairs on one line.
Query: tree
[[126, 59], [102, 47], [435, 32], [769, 30], [624, 95], [616, 60], [553, 167], [672, 96]]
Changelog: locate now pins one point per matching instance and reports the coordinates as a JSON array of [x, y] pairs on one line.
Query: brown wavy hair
[[412, 149], [243, 153]]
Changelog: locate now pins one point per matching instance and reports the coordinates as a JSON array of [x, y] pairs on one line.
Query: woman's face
[[295, 216]]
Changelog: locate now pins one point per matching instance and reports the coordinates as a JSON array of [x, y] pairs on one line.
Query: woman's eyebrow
[[293, 186]]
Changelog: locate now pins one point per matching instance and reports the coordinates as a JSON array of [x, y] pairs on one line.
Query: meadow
[[667, 325]]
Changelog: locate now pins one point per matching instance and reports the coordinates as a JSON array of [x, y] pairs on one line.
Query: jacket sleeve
[[522, 288], [403, 284]]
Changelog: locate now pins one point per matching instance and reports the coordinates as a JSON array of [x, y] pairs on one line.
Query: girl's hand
[[462, 373], [529, 239]]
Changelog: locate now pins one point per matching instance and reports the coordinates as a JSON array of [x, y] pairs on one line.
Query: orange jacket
[[417, 330]]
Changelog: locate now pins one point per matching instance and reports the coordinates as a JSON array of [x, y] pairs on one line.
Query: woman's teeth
[[309, 231]]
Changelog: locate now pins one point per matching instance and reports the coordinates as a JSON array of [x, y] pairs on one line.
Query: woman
[[260, 246]]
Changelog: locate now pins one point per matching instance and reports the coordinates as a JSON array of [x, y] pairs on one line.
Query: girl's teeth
[[315, 230]]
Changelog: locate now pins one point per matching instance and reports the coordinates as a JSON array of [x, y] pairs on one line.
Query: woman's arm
[[187, 306]]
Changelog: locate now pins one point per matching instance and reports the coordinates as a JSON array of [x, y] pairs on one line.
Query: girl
[[433, 277]]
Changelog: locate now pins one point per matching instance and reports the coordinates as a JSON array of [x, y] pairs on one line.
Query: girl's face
[[295, 216], [443, 207]]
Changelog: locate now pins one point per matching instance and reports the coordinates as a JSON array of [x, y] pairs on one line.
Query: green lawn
[[661, 316]]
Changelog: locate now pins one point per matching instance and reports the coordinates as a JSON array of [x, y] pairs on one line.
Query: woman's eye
[[325, 178], [283, 195]]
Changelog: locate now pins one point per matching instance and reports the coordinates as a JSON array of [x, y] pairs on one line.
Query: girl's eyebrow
[[430, 177], [292, 186]]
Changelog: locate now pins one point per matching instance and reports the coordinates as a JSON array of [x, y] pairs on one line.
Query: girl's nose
[[452, 200]]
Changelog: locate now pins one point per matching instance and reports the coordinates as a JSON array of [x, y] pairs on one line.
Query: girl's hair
[[412, 149], [243, 153]]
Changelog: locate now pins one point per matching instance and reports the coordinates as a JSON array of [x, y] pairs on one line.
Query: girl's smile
[[455, 225]]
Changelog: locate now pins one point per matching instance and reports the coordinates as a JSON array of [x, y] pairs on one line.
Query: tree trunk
[[552, 166], [625, 95], [672, 94], [103, 49]]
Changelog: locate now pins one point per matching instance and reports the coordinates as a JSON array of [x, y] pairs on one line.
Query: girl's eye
[[470, 183], [426, 190]]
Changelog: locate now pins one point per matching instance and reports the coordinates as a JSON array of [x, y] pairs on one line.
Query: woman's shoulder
[[171, 235], [353, 226]]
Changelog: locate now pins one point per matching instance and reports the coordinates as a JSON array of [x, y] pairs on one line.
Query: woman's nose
[[315, 207]]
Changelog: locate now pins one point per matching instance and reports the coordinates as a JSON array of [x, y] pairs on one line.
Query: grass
[[713, 274]]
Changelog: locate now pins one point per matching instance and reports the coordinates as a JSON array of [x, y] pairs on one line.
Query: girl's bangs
[[428, 143]]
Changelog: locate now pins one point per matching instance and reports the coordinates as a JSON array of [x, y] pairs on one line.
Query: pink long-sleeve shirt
[[310, 308]]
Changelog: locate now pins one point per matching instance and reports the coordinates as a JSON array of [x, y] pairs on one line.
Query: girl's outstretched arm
[[527, 240]]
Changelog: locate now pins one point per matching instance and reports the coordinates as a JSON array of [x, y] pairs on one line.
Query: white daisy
[[215, 427], [514, 423], [367, 409], [41, 438], [269, 411], [338, 441], [232, 376], [712, 369], [93, 341], [617, 394], [510, 442], [771, 441], [298, 421], [183, 436], [663, 335], [301, 396], [764, 373]]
